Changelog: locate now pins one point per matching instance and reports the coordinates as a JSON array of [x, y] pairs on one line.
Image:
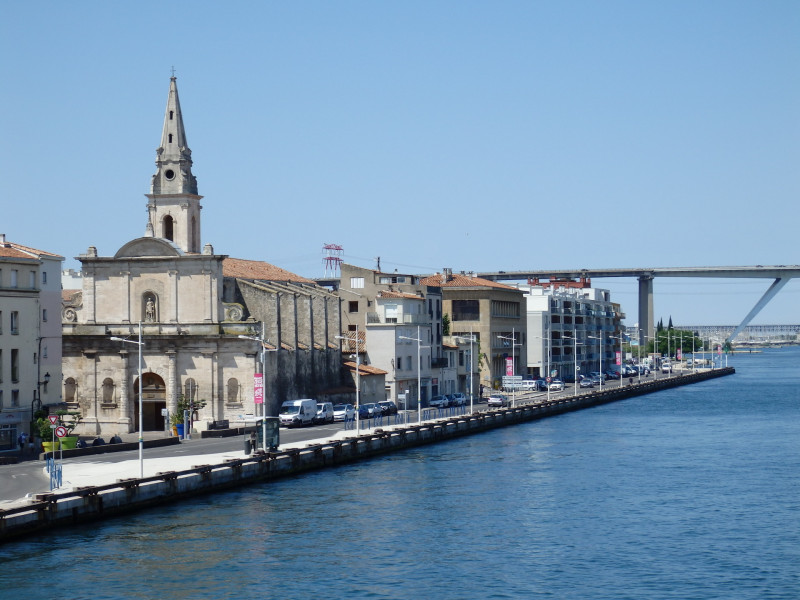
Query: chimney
[[447, 274]]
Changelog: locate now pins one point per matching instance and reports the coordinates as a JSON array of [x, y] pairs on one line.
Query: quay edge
[[81, 505]]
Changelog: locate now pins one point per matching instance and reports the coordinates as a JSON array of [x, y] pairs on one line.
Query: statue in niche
[[150, 310]]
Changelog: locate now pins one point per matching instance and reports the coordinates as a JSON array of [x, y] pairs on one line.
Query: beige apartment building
[[30, 336]]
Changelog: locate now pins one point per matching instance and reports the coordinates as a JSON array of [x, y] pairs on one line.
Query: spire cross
[[173, 70]]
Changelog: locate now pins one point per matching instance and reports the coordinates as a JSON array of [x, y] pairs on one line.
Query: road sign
[[61, 431], [53, 419], [549, 380]]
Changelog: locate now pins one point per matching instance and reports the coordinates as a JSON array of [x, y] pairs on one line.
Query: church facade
[[206, 321]]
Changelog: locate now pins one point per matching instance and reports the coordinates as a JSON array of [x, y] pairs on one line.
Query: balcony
[[439, 363]]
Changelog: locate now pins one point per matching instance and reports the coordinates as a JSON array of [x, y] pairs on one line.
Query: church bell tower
[[173, 206]]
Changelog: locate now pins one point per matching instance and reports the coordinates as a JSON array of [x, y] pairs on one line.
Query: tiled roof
[[458, 280], [364, 369], [398, 295], [13, 250], [258, 270], [67, 295]]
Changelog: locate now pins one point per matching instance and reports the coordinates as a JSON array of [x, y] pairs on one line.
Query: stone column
[[124, 416], [172, 396], [646, 307]]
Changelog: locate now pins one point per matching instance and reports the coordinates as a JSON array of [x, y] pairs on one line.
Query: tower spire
[[174, 206]]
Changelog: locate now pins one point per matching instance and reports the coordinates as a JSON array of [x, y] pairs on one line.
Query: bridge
[[780, 274]]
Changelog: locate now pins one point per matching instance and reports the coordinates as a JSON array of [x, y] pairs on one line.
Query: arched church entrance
[[154, 400]]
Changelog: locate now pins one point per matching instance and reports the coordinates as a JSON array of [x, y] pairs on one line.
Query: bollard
[[248, 447]]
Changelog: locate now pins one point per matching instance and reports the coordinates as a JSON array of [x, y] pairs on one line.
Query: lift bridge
[[779, 274]]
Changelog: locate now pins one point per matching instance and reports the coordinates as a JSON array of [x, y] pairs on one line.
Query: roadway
[[23, 479]]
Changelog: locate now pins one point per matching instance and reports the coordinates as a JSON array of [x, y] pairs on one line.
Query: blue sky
[[470, 135]]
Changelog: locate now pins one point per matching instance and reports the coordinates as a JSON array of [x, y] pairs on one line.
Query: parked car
[[611, 374], [296, 413], [439, 402], [373, 410], [342, 412], [498, 400], [388, 407], [556, 385], [324, 412], [586, 382], [458, 400], [363, 411]]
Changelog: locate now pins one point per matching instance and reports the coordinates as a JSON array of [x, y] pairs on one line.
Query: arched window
[[69, 390], [193, 246], [233, 391], [168, 228], [108, 391]]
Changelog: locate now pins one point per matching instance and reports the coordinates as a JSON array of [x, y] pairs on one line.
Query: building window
[[44, 277], [352, 306], [1, 365], [14, 275], [14, 322], [14, 366], [356, 282], [170, 138], [168, 228], [32, 280], [14, 398], [466, 310], [170, 115], [69, 390], [233, 391], [108, 391], [44, 351], [505, 309], [399, 363], [44, 315]]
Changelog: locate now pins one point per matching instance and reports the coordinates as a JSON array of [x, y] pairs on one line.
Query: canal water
[[687, 493]]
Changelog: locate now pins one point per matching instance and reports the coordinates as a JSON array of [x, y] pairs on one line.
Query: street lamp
[[600, 346], [418, 339], [575, 355], [140, 343], [514, 344], [358, 372], [263, 373], [471, 339]]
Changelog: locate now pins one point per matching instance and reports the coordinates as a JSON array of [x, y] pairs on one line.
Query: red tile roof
[[258, 270], [398, 295], [12, 250], [458, 280], [364, 369]]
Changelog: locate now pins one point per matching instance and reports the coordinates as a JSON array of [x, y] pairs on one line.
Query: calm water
[[689, 493]]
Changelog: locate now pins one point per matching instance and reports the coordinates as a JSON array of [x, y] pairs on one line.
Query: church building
[[207, 321]]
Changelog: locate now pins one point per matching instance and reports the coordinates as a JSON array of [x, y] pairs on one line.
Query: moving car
[[666, 367], [498, 400], [556, 386], [586, 382], [343, 412]]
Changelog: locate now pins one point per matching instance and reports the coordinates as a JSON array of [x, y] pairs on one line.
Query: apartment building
[[30, 336], [572, 329]]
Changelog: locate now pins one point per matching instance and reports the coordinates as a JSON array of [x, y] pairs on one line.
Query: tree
[[446, 324]]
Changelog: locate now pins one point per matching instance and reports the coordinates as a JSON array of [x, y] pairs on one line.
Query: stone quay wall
[[125, 496]]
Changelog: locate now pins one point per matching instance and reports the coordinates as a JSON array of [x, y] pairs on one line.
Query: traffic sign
[[53, 419], [61, 431]]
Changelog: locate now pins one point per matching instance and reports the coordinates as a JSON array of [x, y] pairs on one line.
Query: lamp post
[[418, 339], [263, 373], [140, 343], [471, 339], [38, 399], [358, 372], [575, 355], [514, 344], [599, 339]]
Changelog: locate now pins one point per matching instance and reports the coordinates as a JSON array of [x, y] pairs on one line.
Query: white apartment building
[[30, 336], [572, 329]]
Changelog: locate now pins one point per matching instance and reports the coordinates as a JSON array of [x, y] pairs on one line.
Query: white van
[[296, 413], [324, 412]]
